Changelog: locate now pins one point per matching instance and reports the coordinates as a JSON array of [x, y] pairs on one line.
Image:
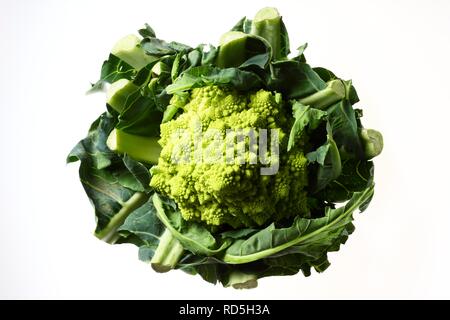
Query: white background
[[396, 52]]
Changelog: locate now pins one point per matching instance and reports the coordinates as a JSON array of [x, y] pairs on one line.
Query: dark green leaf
[[111, 200], [351, 94], [356, 176], [146, 253], [193, 236], [294, 79], [106, 179], [207, 75], [259, 60], [209, 54], [305, 117], [93, 148], [144, 224], [138, 170], [134, 175], [209, 272], [329, 164], [158, 48], [301, 54], [141, 116], [304, 233], [325, 74], [243, 25], [285, 44], [147, 31], [345, 128], [238, 234], [113, 69]]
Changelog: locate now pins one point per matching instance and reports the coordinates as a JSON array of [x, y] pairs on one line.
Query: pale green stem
[[108, 234], [167, 254], [322, 99]]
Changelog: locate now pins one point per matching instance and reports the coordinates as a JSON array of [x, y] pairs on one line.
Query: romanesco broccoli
[[230, 193]]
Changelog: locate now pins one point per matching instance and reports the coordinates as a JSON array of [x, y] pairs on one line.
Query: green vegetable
[[239, 49], [334, 92], [168, 253], [269, 25], [230, 192], [145, 149], [118, 93], [129, 50], [228, 162], [372, 141]]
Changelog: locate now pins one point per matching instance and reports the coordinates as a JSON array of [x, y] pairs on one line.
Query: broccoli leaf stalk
[[372, 141], [334, 91], [167, 254], [268, 25], [109, 234], [232, 49], [145, 149], [241, 280]]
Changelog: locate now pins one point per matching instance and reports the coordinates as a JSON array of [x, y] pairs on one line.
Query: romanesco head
[[209, 168]]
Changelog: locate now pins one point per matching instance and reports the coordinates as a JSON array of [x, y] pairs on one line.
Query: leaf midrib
[[233, 259]]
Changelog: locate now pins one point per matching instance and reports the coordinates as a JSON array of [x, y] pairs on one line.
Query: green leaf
[[208, 272], [325, 74], [238, 49], [134, 175], [351, 94], [112, 201], [158, 48], [144, 224], [259, 60], [141, 116], [139, 171], [209, 54], [305, 117], [284, 42], [193, 236], [345, 128], [238, 234], [294, 79], [243, 25], [329, 164], [93, 148], [106, 179], [113, 69], [300, 57], [146, 253], [206, 75], [356, 176], [147, 31], [143, 110], [304, 233]]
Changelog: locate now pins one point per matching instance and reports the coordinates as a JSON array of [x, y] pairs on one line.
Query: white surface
[[396, 52]]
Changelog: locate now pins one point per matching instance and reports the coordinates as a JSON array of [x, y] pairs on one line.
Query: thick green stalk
[[322, 99], [129, 50], [167, 254], [145, 149], [267, 24], [118, 93], [241, 280], [108, 234], [372, 141], [232, 51]]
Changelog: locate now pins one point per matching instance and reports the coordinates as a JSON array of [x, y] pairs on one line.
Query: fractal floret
[[230, 192]]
